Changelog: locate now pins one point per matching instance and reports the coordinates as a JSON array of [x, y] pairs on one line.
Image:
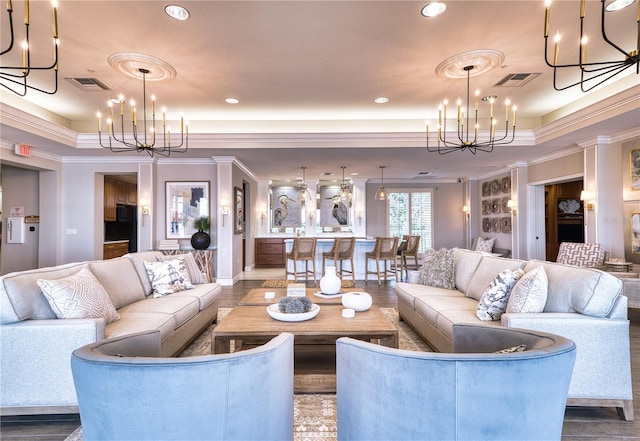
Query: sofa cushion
[[487, 271], [120, 280], [466, 264], [438, 269], [138, 260], [205, 293], [78, 295], [494, 300], [132, 322], [25, 296], [182, 308], [168, 277], [431, 307], [530, 293], [586, 290], [485, 245]]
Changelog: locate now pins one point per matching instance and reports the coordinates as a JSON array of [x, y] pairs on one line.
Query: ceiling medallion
[[130, 63], [482, 60]]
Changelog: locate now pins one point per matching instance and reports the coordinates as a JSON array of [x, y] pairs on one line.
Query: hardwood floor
[[592, 424]]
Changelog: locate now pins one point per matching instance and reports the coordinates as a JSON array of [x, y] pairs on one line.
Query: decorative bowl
[[275, 313]]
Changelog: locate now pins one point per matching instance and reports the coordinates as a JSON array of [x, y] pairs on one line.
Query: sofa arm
[[35, 361], [603, 365]]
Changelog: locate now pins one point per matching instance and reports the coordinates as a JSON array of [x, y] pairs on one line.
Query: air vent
[[424, 173], [88, 84], [516, 80]]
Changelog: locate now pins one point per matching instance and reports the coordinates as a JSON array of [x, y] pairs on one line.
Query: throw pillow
[[485, 245], [438, 269], [494, 300], [530, 293], [196, 276], [168, 277], [511, 350], [79, 295]]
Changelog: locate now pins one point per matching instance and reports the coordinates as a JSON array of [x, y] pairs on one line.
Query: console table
[[204, 260]]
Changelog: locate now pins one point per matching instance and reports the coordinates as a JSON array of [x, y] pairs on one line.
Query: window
[[410, 213]]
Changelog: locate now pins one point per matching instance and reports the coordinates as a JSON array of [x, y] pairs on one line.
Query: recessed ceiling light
[[616, 5], [433, 9], [381, 100], [232, 101], [490, 97], [177, 12]]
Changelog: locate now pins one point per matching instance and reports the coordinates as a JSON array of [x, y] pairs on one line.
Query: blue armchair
[[126, 392], [473, 393]]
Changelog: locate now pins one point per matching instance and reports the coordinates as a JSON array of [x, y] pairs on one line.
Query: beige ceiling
[[306, 74]]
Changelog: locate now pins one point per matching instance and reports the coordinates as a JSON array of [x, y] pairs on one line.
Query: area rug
[[314, 415], [281, 283]]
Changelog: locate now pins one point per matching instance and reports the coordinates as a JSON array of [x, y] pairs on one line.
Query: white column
[[224, 220]]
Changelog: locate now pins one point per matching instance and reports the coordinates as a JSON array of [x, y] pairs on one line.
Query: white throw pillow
[[196, 276], [494, 300], [79, 295], [530, 293], [168, 277], [485, 245]]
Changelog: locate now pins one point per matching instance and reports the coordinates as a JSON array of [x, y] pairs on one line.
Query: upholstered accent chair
[[127, 392], [473, 393], [303, 250], [341, 251], [589, 255], [384, 252]]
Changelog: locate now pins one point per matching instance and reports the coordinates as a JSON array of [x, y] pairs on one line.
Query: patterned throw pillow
[[79, 295], [438, 269], [511, 350], [530, 293], [485, 245], [494, 300], [168, 277], [196, 276]]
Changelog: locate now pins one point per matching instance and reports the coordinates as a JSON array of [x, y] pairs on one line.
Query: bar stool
[[303, 249], [385, 251], [411, 251], [342, 249]]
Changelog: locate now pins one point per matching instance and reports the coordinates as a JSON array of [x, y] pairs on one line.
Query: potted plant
[[200, 240]]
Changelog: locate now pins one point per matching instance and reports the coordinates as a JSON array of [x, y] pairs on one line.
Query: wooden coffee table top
[[256, 296], [254, 321]]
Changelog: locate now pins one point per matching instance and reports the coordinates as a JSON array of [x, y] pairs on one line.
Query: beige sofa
[[36, 346], [585, 305]]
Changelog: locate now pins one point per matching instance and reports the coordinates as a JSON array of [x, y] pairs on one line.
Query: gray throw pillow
[[494, 300], [438, 269]]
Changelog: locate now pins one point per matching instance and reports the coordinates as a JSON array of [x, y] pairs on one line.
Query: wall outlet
[[72, 231]]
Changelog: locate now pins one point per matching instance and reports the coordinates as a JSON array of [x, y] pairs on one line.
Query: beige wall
[[557, 168]]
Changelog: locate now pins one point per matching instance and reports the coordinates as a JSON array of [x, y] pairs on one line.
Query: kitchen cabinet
[[270, 253], [110, 191], [111, 250], [126, 193]]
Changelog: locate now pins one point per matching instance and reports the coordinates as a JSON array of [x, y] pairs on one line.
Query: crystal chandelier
[[594, 73], [146, 140], [468, 137], [15, 77]]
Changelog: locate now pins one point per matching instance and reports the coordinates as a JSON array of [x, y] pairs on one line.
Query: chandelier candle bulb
[[458, 104], [164, 117], [99, 115], [583, 49], [110, 104], [556, 49], [54, 4], [582, 6], [477, 99], [507, 103], [514, 115], [547, 4], [153, 105], [26, 12], [25, 46]]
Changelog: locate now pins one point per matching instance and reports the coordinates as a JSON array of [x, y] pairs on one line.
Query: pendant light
[[304, 192], [344, 187], [381, 194]]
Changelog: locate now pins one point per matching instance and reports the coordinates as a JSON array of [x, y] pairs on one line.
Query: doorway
[[564, 216]]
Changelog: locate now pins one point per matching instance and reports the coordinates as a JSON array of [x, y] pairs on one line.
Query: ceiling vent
[[516, 80], [88, 84]]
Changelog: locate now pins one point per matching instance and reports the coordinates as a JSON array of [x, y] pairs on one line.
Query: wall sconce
[[513, 206], [263, 215], [224, 208], [587, 198], [359, 215], [466, 210], [144, 208]]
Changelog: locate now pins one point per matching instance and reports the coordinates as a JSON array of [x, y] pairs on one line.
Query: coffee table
[[255, 297], [314, 350]]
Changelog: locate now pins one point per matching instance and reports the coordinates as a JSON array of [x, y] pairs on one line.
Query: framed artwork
[[486, 206], [285, 207], [634, 173], [185, 202], [496, 225], [486, 188], [506, 184], [238, 215], [496, 206], [486, 224], [506, 224], [505, 205], [334, 211], [635, 233], [496, 187]]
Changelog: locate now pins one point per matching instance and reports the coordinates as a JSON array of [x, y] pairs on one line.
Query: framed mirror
[[185, 202]]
